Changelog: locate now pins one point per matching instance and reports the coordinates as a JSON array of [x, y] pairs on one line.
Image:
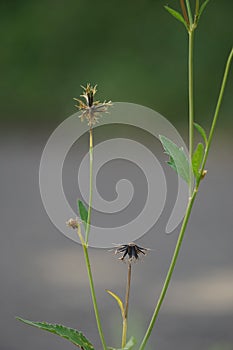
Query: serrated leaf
[[130, 344], [82, 212], [197, 159], [75, 337], [202, 8], [178, 160], [176, 14], [201, 132], [119, 301]]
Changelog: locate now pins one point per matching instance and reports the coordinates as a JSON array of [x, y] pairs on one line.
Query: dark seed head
[[130, 251]]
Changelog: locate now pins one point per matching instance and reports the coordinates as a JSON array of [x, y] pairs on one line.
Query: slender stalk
[[189, 12], [196, 11], [93, 295], [170, 271], [184, 11], [220, 97], [90, 185], [188, 210], [128, 289], [197, 7], [191, 105], [125, 318], [85, 245]]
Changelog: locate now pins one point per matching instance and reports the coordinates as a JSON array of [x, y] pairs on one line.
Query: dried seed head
[[73, 223], [91, 110], [130, 251]]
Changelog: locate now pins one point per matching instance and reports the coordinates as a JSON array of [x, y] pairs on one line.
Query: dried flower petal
[[91, 110], [73, 223]]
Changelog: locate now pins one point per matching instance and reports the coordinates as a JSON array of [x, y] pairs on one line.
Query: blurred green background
[[134, 50]]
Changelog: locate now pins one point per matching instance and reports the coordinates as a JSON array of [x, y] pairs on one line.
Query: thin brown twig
[[184, 11], [127, 290]]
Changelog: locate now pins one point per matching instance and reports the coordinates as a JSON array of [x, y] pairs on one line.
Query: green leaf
[[82, 212], [119, 301], [130, 344], [176, 14], [75, 337], [203, 6], [201, 132], [197, 159], [178, 159]]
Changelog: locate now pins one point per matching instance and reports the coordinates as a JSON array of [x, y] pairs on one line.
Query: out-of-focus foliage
[[133, 50]]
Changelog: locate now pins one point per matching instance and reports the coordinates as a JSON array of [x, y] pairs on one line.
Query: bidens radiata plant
[[191, 169]]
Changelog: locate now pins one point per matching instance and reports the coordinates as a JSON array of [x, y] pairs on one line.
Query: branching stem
[[188, 210]]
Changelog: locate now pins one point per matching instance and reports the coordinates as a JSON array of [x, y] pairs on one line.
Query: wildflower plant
[[191, 169]]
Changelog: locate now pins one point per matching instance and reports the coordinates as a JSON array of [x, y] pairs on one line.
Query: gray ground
[[43, 275]]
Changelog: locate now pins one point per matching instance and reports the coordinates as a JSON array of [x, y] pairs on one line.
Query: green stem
[[189, 12], [85, 246], [170, 271], [196, 12], [191, 105], [93, 295], [197, 7], [219, 102], [125, 318], [90, 185], [188, 210]]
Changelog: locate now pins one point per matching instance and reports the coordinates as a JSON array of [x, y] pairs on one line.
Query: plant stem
[[85, 245], [191, 105], [197, 7], [90, 185], [125, 318], [188, 210], [170, 270], [184, 12], [196, 11], [93, 295], [189, 12], [220, 97]]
